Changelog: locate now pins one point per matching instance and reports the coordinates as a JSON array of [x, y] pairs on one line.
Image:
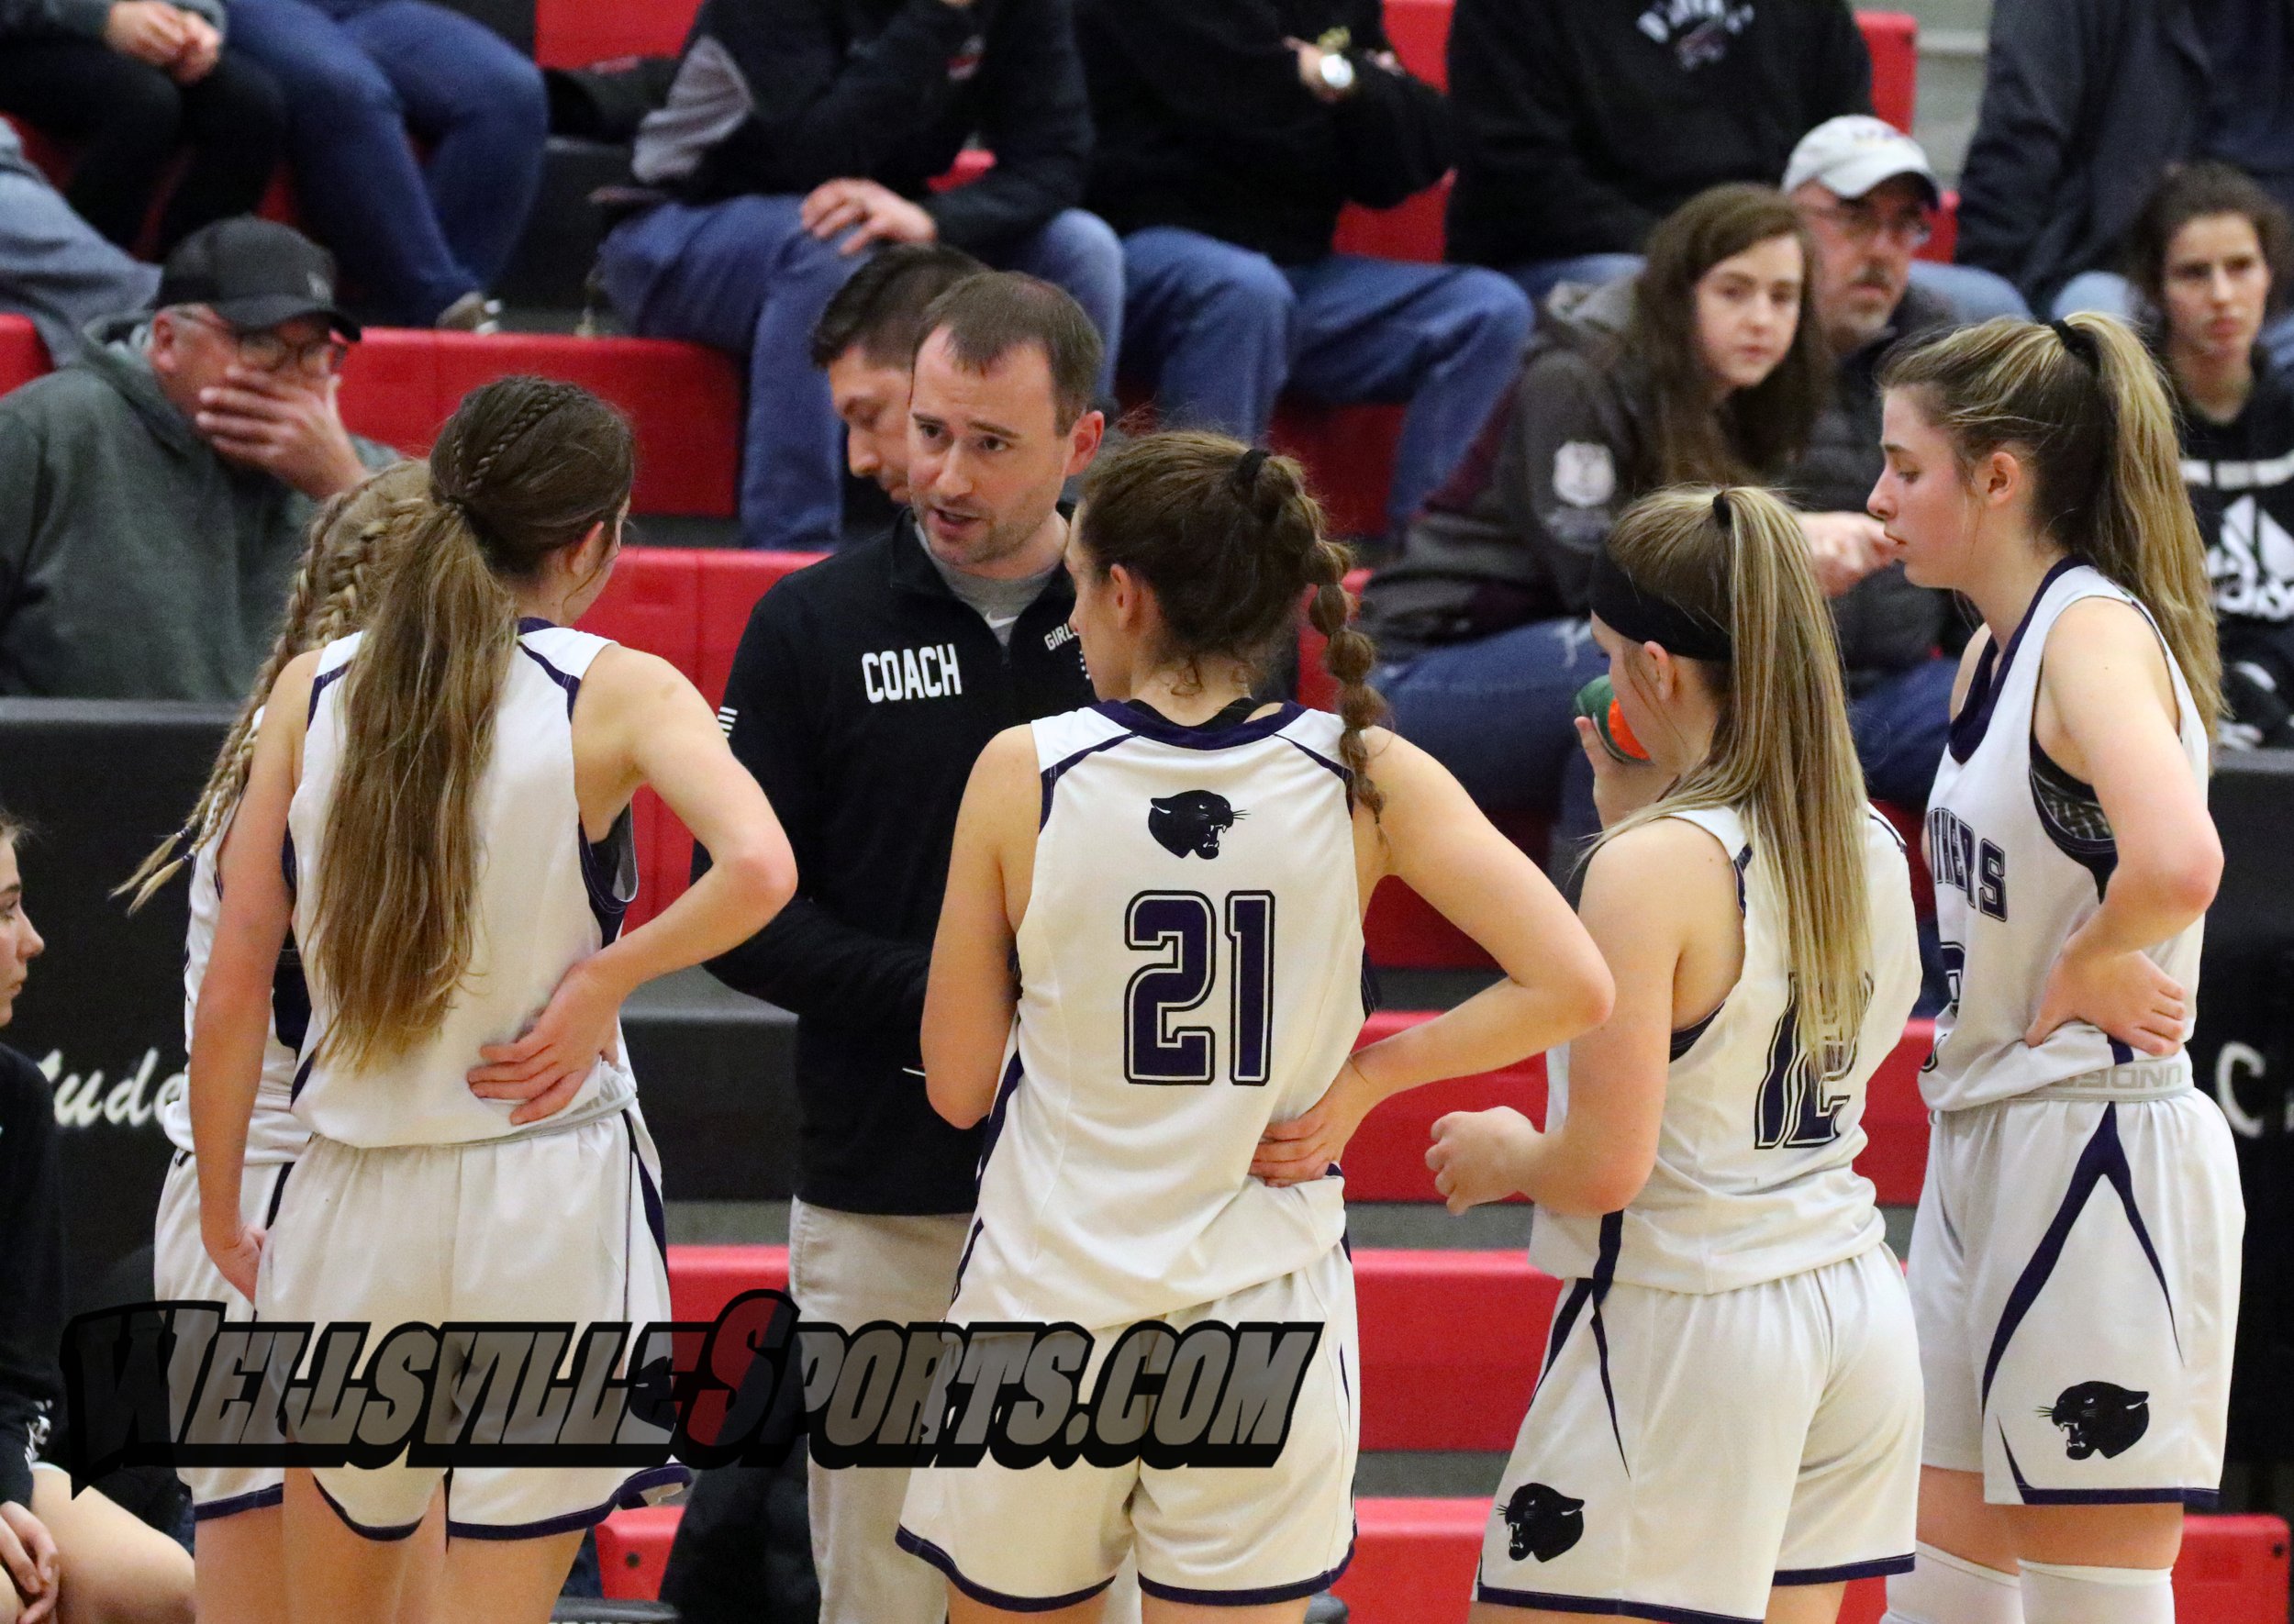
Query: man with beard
[[863, 691]]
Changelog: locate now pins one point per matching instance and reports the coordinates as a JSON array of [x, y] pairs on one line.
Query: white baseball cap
[[1854, 153]]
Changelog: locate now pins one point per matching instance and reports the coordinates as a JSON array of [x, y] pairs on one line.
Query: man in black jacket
[[799, 134], [864, 689], [1229, 137]]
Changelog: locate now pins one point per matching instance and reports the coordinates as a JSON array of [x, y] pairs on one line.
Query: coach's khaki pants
[[849, 1268]]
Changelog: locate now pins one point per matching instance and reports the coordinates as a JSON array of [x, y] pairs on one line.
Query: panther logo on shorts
[[2100, 1417], [1190, 822], [1543, 1522]]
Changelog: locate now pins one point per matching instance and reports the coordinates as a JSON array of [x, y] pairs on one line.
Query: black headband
[[1642, 616], [2079, 342], [1246, 470]]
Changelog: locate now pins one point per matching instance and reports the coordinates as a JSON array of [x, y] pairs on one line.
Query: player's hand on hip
[[546, 1068], [27, 1553], [1620, 788], [2125, 994], [1475, 1155], [1301, 1150], [238, 1256]]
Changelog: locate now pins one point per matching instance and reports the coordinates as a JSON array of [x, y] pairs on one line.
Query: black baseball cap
[[253, 274]]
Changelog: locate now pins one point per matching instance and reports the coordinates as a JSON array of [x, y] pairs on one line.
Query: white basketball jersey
[[1190, 969], [1755, 1173], [2020, 852], [545, 898], [273, 1133]]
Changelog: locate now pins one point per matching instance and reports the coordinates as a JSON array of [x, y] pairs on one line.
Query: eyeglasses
[[267, 351], [1860, 222]]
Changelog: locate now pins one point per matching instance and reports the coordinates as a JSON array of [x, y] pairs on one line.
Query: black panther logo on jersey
[[1191, 822], [2100, 1417], [1542, 1522]]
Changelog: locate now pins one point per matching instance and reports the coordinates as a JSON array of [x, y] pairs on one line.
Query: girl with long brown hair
[[1733, 1314], [356, 540], [1167, 1076], [2075, 1263], [451, 788], [1710, 364]]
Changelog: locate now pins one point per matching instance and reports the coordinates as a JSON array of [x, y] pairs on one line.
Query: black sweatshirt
[[2240, 477], [781, 95], [863, 692], [1585, 122], [31, 1270], [1203, 122]]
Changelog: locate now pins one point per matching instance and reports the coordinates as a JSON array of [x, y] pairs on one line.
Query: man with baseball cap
[[1868, 196], [153, 493]]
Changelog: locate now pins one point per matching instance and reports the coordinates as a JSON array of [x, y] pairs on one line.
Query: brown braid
[[354, 537]]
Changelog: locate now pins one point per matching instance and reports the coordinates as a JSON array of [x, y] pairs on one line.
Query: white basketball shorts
[[560, 1227], [2075, 1273], [1042, 1537], [1685, 1452], [182, 1272]]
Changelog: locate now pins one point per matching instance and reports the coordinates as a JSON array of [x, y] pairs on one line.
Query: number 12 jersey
[[1191, 971]]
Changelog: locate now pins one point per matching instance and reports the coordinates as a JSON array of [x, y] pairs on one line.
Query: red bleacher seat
[[1414, 1561], [1893, 38], [22, 355], [400, 385], [577, 33]]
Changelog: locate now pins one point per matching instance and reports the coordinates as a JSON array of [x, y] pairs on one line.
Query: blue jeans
[[1220, 331], [2110, 293], [745, 275], [1976, 295], [1901, 726], [1498, 714], [357, 75]]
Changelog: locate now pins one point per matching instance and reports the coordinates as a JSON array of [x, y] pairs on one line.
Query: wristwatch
[[1337, 74]]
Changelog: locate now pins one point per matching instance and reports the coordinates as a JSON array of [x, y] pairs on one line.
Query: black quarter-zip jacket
[[863, 692]]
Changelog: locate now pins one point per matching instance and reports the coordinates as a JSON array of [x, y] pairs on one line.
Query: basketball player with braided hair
[[1726, 1426], [1167, 1076], [451, 787], [355, 539], [2075, 1264]]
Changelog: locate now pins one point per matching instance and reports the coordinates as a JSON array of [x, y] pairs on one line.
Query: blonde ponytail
[[1782, 756]]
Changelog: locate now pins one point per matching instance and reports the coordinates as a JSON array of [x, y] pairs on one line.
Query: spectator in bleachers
[[1707, 366], [153, 493], [863, 691], [1865, 194], [1583, 126], [1229, 138], [422, 238], [127, 83], [801, 133], [864, 343], [2086, 103], [2210, 255], [55, 268]]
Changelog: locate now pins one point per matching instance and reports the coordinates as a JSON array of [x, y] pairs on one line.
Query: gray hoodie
[[134, 564]]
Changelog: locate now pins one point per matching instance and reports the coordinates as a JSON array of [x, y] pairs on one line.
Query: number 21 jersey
[[1190, 969]]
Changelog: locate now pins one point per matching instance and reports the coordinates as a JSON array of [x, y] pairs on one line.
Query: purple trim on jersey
[[526, 623], [1743, 861], [2104, 1158], [571, 685], [1845, 1572], [278, 1192], [1059, 770], [917, 1546], [656, 1222], [2189, 1498], [1345, 773], [290, 997], [1684, 1039], [318, 686], [301, 1076], [965, 1262], [1005, 1089], [1974, 719], [1264, 1595], [1149, 723], [603, 863], [1603, 1606], [210, 1510], [380, 1535], [628, 1496], [1893, 833], [1604, 1275]]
